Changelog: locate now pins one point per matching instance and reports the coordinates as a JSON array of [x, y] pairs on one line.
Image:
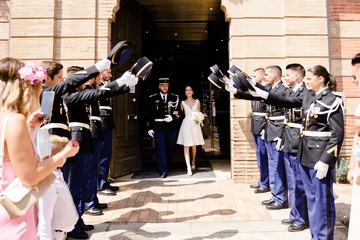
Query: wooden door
[[126, 137]]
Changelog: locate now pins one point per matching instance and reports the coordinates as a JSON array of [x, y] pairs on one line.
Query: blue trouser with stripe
[[262, 161], [295, 186], [277, 177], [165, 145], [321, 205]]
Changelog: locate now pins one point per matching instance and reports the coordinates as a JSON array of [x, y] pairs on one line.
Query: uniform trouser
[[165, 145], [79, 181], [91, 199], [295, 186], [262, 161], [105, 157], [277, 176], [321, 206]]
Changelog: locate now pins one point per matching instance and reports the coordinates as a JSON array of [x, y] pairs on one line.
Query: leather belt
[[79, 124], [276, 118], [95, 118], [294, 125], [316, 134], [258, 114], [159, 120], [56, 125], [105, 107]]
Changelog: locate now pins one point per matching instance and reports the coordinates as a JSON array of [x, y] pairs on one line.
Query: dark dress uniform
[[58, 124], [321, 138], [291, 139], [79, 122], [273, 130], [108, 125], [92, 200], [258, 124], [165, 133]]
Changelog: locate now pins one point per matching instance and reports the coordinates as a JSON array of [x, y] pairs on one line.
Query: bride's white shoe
[[189, 173]]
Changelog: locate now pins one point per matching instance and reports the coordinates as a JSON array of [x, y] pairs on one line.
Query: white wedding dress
[[190, 133]]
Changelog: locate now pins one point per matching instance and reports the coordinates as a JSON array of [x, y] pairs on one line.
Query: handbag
[[17, 198]]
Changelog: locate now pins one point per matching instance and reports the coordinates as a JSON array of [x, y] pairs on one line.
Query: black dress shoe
[[114, 188], [267, 202], [164, 175], [297, 228], [261, 190], [254, 185], [287, 221], [94, 211], [101, 205], [107, 192], [275, 206], [87, 227], [78, 235]]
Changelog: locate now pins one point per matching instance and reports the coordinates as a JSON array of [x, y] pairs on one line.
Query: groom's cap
[[164, 80]]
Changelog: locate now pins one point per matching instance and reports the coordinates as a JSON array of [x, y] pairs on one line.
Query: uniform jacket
[[106, 113], [78, 110], [59, 113], [321, 113], [274, 128], [291, 134], [95, 120], [258, 122], [158, 109]]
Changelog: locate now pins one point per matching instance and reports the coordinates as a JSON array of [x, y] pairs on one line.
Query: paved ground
[[191, 208]]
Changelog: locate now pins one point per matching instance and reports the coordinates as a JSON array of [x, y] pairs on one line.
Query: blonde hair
[[17, 95]]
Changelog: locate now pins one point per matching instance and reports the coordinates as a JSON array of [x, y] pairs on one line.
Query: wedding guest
[[20, 89], [354, 165], [190, 134]]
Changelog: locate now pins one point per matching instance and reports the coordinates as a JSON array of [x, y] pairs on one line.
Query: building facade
[[278, 32]]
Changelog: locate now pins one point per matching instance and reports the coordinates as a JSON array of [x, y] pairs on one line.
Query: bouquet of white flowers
[[198, 117]]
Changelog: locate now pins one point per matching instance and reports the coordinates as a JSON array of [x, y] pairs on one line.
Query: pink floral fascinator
[[31, 73]]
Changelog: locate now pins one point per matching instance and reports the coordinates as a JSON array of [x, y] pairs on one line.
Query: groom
[[161, 122]]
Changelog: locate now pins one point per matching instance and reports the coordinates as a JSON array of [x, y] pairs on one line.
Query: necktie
[[164, 100]]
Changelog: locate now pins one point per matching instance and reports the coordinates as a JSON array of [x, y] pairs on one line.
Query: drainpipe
[[328, 30], [9, 39]]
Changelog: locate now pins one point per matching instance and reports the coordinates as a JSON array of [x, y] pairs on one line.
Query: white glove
[[103, 64], [230, 88], [278, 144], [133, 81], [262, 134], [252, 81], [151, 133], [321, 169], [260, 93], [168, 118], [124, 79], [132, 89]]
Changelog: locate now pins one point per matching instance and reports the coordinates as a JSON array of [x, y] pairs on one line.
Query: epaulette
[[80, 72], [153, 95], [104, 88], [174, 94]]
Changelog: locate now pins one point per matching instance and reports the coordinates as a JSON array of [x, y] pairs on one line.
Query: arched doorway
[[183, 39]]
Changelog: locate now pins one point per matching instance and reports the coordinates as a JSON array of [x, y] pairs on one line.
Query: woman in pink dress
[[190, 134], [20, 86]]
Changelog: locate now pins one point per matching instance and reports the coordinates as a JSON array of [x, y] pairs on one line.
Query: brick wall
[[4, 28], [344, 25]]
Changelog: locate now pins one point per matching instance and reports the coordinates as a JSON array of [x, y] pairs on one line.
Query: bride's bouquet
[[198, 117]]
